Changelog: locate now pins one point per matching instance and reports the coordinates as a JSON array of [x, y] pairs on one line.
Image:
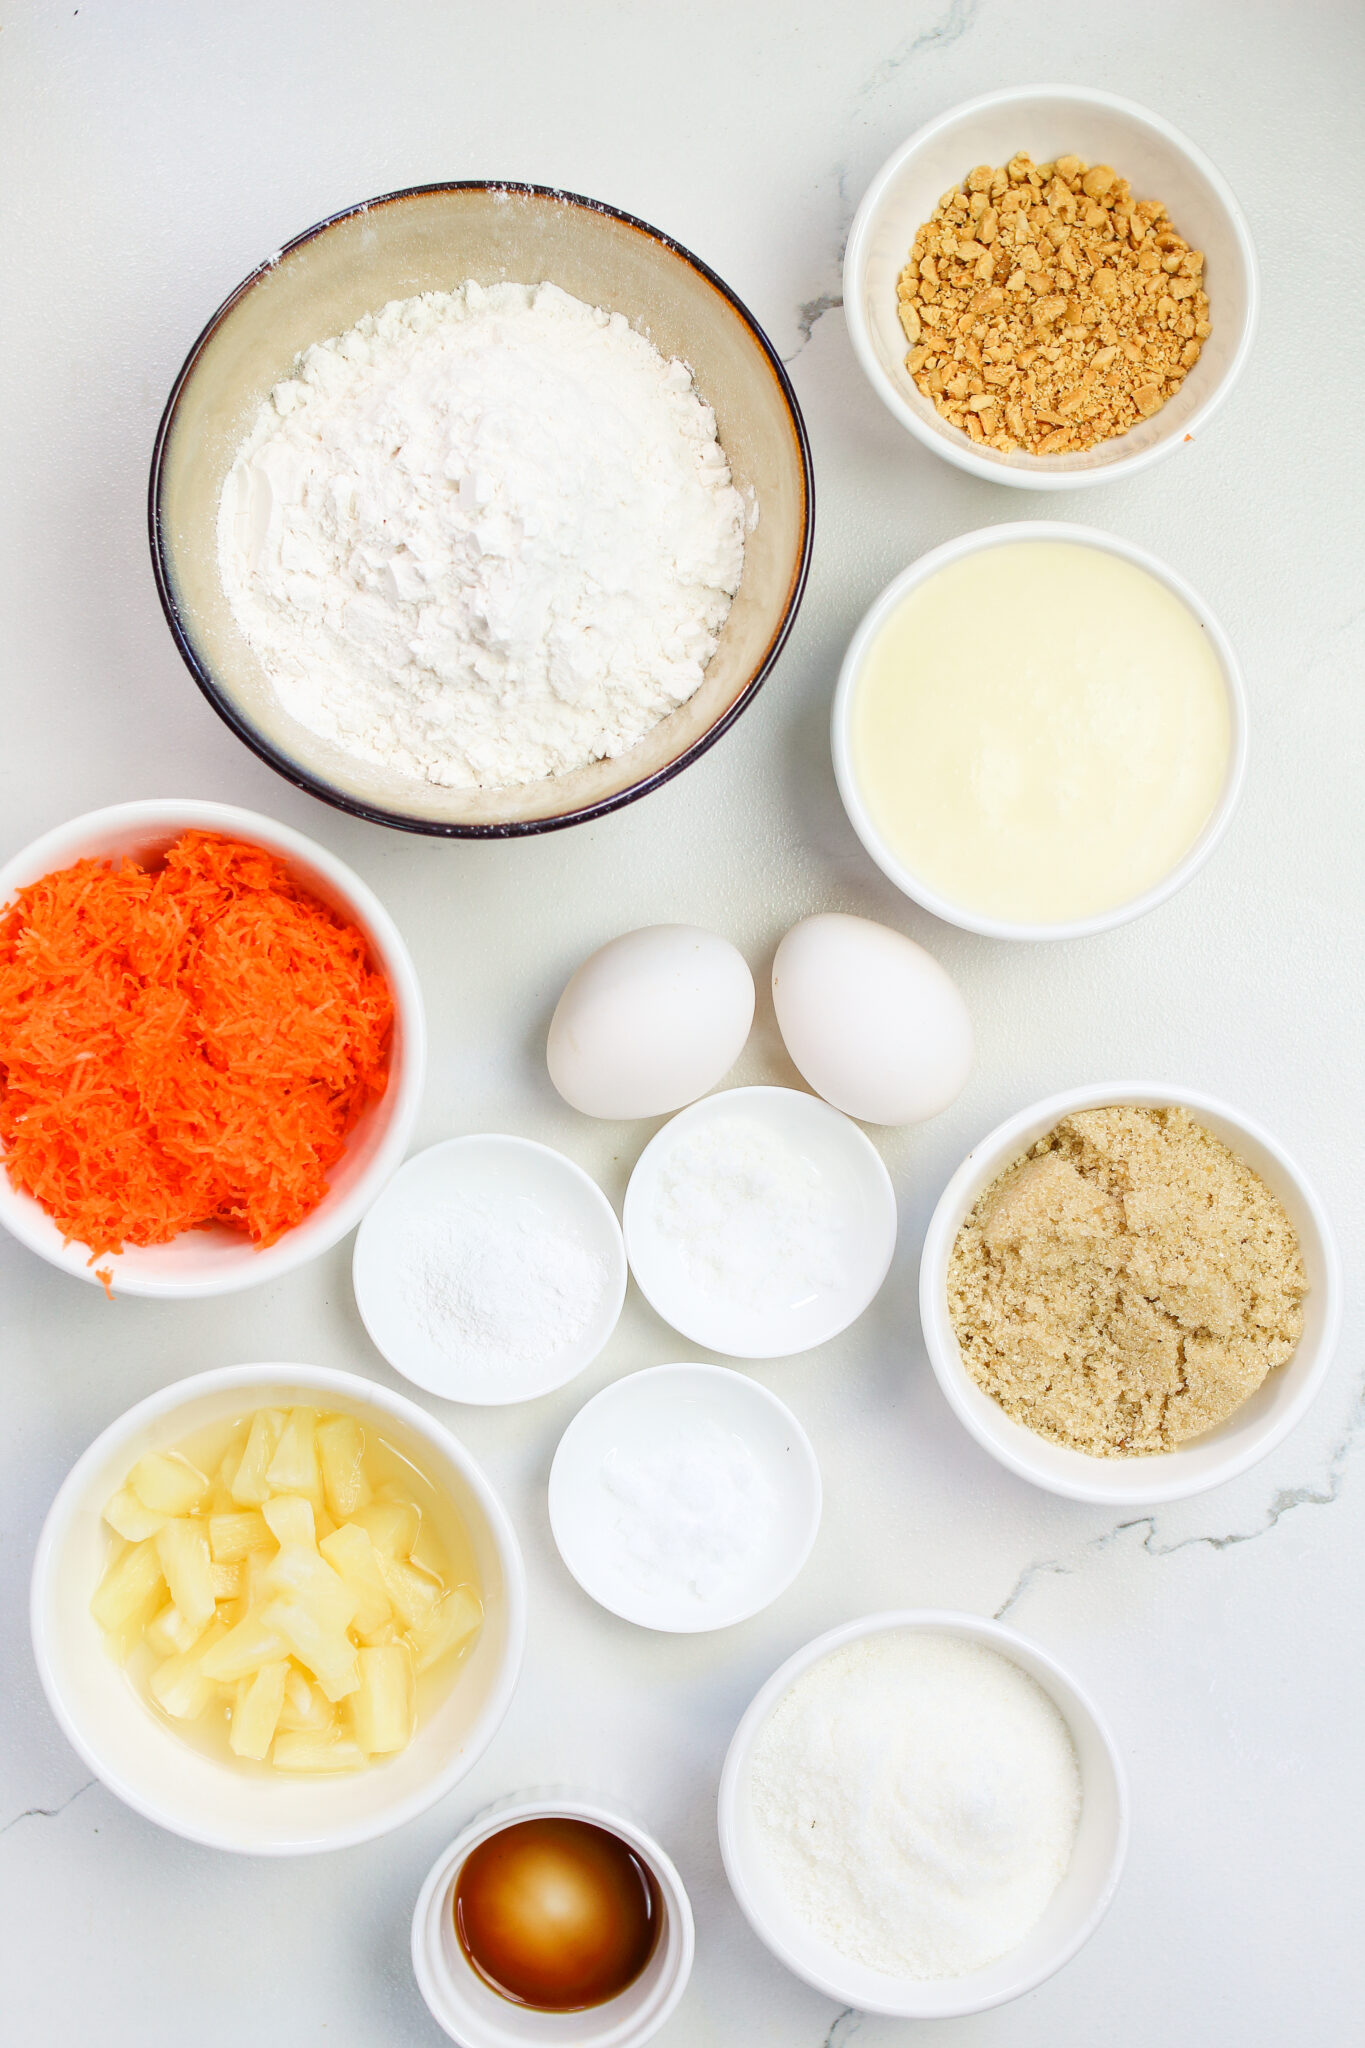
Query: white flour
[[499, 1289], [917, 1798], [484, 537]]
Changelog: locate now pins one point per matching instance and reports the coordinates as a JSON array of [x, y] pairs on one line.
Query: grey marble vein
[[844, 2028], [939, 36], [47, 1812], [1281, 1504], [807, 315]]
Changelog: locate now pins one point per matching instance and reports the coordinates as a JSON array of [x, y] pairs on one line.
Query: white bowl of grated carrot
[[217, 1060]]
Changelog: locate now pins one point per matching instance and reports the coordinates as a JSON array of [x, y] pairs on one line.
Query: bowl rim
[[993, 1152], [569, 1803], [343, 800], [924, 1620], [408, 1080], [805, 1457], [980, 540], [1035, 477], [594, 1198], [350, 1386]]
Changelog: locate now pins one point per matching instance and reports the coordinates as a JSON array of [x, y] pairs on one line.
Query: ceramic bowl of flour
[[452, 610], [936, 1846]]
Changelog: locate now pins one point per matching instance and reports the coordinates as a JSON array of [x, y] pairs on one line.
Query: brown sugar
[[1126, 1284], [1047, 309]]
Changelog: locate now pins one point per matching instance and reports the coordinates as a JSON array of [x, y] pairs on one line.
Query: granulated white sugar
[[917, 1798]]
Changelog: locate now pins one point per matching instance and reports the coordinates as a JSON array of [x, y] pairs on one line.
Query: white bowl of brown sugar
[[1129, 1293], [1050, 286]]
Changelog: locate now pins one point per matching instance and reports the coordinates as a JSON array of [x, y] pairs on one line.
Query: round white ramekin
[[474, 2015], [636, 1416], [1050, 121], [1075, 1909], [548, 1190], [1252, 1431], [219, 1260], [845, 695], [157, 1771]]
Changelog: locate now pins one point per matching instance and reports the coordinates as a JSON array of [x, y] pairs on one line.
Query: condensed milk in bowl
[[1039, 731]]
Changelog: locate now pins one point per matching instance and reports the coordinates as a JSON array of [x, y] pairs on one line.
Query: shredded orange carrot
[[182, 1046]]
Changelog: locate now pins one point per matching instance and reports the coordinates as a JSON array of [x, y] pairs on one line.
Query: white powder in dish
[[692, 1515], [756, 1223], [499, 1288], [483, 537], [917, 1798]]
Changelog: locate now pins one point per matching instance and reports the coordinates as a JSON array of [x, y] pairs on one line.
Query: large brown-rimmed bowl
[[434, 238]]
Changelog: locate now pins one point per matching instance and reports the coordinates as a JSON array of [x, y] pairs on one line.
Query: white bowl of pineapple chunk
[[278, 1609]]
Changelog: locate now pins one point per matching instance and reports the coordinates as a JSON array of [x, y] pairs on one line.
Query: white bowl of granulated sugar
[[958, 1841], [491, 1270]]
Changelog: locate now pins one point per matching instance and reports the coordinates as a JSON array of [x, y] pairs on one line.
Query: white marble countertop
[[153, 151]]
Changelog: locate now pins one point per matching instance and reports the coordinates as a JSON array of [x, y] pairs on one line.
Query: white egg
[[870, 1019], [650, 1021]]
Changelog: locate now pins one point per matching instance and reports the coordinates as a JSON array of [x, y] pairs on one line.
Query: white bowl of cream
[[1039, 731]]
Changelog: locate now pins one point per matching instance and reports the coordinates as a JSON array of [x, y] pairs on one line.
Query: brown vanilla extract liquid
[[557, 1914]]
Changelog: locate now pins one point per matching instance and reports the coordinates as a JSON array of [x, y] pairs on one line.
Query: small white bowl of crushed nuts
[[1050, 287]]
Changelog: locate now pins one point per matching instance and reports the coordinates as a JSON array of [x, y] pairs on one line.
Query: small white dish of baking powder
[[760, 1222], [685, 1498], [490, 1270]]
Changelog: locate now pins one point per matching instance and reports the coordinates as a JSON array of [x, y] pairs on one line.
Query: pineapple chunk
[[305, 1752], [226, 1580], [167, 1483], [131, 1589], [383, 1713], [413, 1593], [294, 1467], [183, 1547], [350, 1552], [180, 1686], [256, 1710], [249, 1488], [234, 1535], [391, 1525], [128, 1518], [323, 1525], [326, 1652], [297, 1572], [220, 1501], [289, 1517], [455, 1620], [305, 1705], [240, 1652], [169, 1634], [341, 1448]]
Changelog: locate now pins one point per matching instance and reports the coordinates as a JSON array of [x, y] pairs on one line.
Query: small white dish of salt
[[685, 1498], [760, 1222], [490, 1270]]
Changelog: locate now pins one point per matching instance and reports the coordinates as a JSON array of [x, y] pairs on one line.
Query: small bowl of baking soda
[[491, 1270], [685, 1498]]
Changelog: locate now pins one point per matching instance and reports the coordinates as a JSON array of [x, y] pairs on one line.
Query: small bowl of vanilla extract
[[551, 1922]]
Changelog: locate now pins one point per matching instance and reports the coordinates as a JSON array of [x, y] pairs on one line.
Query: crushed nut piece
[[1056, 270]]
